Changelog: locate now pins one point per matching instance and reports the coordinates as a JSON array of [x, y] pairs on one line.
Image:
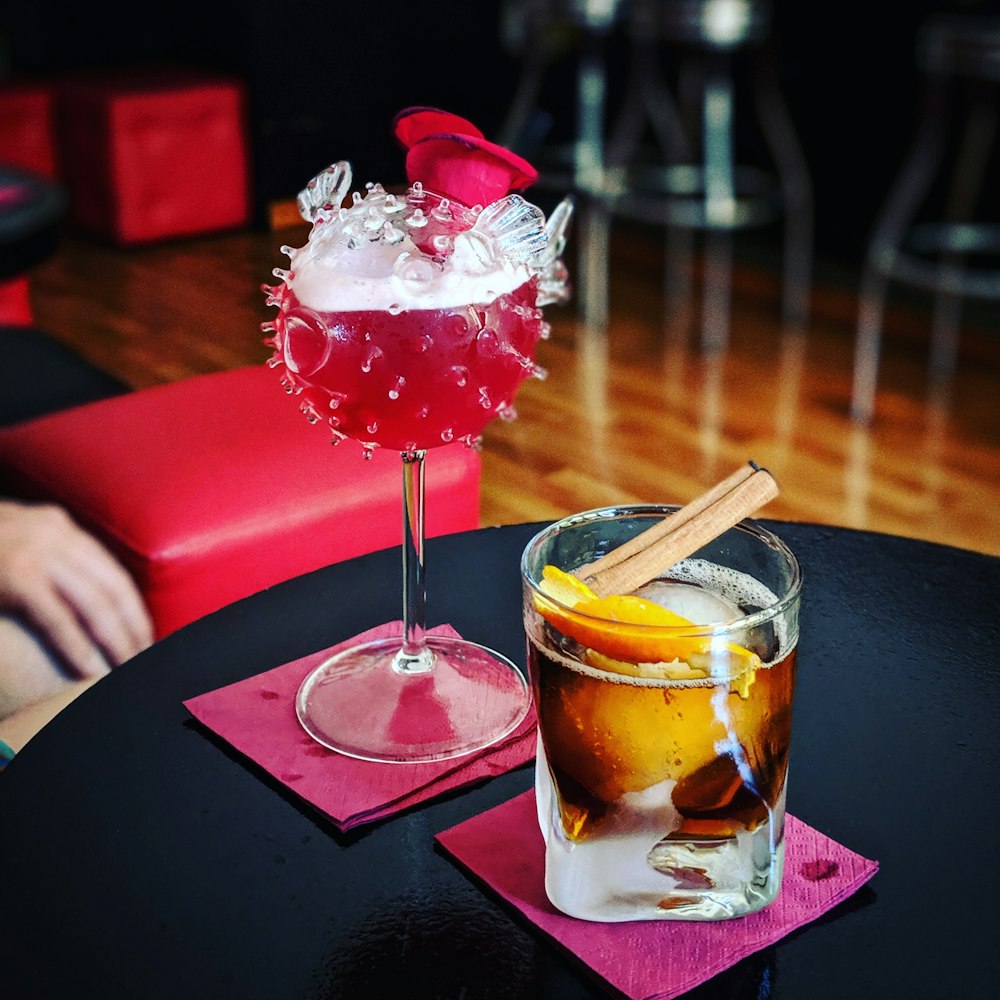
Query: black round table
[[140, 857]]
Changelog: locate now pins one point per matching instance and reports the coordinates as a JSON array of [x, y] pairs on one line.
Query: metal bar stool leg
[[904, 198], [647, 99], [969, 174], [720, 209], [796, 194], [588, 166]]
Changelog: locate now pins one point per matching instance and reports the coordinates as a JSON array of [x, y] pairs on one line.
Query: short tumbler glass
[[663, 749]]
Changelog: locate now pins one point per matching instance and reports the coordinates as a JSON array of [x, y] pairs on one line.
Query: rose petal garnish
[[413, 124], [470, 169]]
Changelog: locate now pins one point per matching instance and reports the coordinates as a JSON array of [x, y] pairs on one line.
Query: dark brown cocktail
[[665, 722]]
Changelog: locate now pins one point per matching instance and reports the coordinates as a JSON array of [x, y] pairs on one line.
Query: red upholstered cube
[[155, 156], [26, 128], [215, 487], [15, 303]]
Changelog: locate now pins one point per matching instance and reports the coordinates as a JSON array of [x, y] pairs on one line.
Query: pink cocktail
[[413, 379], [409, 321]]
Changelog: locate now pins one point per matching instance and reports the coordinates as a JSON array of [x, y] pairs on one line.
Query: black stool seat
[[31, 209]]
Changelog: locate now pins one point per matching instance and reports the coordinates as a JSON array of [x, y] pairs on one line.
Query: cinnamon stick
[[648, 555], [668, 524]]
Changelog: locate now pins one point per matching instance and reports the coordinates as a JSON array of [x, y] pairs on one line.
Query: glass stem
[[416, 657]]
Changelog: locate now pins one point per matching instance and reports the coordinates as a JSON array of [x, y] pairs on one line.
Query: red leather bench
[[215, 487]]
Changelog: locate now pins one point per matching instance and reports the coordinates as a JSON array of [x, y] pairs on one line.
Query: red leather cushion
[[15, 303], [215, 487], [155, 156]]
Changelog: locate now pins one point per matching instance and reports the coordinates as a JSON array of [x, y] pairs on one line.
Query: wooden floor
[[632, 412]]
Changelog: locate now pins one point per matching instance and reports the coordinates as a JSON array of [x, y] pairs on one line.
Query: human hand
[[63, 583]]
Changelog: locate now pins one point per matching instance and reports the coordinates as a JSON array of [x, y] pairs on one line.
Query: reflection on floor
[[633, 409]]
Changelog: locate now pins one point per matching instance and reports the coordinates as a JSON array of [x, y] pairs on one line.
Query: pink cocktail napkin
[[257, 717], [653, 960]]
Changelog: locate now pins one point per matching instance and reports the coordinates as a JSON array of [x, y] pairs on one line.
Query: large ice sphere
[[703, 607]]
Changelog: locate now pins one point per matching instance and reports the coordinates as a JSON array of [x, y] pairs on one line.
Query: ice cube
[[703, 607]]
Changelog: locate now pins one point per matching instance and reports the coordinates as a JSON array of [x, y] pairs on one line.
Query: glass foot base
[[368, 703]]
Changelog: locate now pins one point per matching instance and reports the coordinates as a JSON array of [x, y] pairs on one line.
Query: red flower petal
[[468, 168], [413, 124]]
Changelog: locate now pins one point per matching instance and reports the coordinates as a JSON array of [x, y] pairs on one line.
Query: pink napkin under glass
[[653, 960], [257, 717]]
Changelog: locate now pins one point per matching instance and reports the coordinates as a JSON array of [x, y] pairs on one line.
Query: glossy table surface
[[140, 857]]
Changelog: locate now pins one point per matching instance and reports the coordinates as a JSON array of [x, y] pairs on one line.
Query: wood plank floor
[[634, 411]]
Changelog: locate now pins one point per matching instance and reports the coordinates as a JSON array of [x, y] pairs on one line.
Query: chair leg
[[588, 166], [716, 290], [594, 256], [796, 194], [905, 196], [868, 343], [647, 99], [968, 178], [514, 127], [944, 341], [720, 207]]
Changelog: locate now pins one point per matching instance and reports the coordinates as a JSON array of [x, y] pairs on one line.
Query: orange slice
[[674, 670], [617, 626], [564, 587], [617, 632]]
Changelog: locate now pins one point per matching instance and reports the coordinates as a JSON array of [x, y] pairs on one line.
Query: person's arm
[[17, 729]]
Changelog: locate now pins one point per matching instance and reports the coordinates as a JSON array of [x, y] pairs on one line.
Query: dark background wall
[[324, 79]]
